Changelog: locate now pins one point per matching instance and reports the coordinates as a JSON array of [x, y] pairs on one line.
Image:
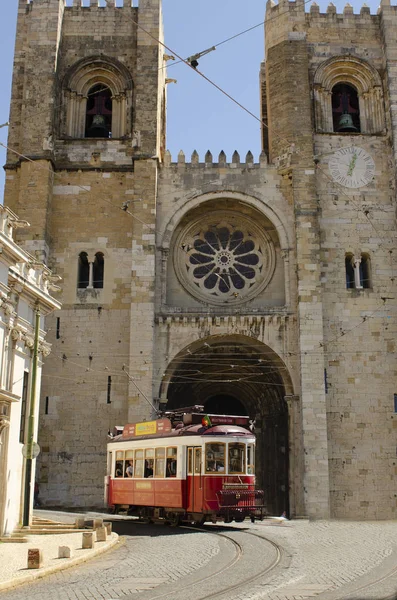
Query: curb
[[72, 562]]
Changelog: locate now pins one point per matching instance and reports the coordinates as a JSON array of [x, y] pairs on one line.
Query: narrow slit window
[[349, 270], [365, 271], [58, 329], [83, 276], [47, 401], [99, 266], [109, 390]]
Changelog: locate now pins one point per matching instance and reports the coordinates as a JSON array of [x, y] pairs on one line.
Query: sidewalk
[[14, 555]]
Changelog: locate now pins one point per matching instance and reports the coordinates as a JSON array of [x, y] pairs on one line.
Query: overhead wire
[[254, 116], [261, 121]]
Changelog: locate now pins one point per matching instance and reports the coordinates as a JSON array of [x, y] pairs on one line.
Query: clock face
[[352, 167]]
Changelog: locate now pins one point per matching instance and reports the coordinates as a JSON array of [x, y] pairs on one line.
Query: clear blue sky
[[199, 116]]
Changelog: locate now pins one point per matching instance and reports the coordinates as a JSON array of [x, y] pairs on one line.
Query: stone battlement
[[91, 3], [222, 161], [101, 4], [297, 8]]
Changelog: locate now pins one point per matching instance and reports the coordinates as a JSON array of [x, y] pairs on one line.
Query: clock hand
[[352, 165]]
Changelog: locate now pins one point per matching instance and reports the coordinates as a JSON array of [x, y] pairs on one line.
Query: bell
[[98, 128], [346, 123]]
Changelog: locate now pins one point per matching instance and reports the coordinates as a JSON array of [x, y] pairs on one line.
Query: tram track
[[197, 585], [367, 589]]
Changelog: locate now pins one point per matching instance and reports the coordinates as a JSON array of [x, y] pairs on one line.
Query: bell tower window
[[83, 271], [345, 109], [348, 97], [97, 100], [365, 271], [99, 264], [98, 122], [349, 269]]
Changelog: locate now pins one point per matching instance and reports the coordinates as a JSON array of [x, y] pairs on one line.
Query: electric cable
[[261, 121]]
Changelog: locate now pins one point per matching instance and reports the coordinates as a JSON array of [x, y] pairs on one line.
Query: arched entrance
[[237, 375]]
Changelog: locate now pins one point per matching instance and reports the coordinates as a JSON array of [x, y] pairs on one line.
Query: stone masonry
[[224, 278]]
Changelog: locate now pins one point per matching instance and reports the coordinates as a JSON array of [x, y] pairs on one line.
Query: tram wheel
[[199, 522], [174, 519]]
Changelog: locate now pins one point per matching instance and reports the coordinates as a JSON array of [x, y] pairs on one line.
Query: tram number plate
[[233, 486], [143, 485]]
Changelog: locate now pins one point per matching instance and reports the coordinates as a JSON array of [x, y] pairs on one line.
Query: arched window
[[83, 276], [348, 97], [97, 96], [98, 121], [345, 109], [98, 270], [365, 271], [349, 269]]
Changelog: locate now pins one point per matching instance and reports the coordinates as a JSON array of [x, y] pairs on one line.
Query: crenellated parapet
[[293, 21], [101, 4], [298, 9], [209, 163]]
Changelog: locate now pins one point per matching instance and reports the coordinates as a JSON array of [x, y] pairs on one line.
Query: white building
[[24, 299]]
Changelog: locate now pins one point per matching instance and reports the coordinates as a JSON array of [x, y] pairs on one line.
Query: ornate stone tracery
[[224, 258]]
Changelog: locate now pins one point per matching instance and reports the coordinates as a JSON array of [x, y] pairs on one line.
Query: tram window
[[190, 461], [149, 467], [139, 463], [236, 458], [171, 462], [129, 463], [159, 462], [214, 457], [149, 462], [197, 461], [119, 464], [171, 467], [250, 460]]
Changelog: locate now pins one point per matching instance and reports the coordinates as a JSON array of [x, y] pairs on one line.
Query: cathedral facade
[[263, 287]]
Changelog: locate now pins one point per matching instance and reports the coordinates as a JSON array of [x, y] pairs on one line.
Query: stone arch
[[250, 217], [245, 199], [363, 77], [83, 77], [242, 368]]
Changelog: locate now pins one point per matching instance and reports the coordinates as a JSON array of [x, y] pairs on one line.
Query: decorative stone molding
[[241, 321], [363, 77], [16, 334], [4, 423], [81, 79], [45, 349], [7, 306], [29, 340]]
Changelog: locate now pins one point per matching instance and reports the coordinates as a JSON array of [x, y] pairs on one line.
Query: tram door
[[194, 480]]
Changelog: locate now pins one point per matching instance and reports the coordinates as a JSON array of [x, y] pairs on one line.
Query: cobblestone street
[[328, 560]]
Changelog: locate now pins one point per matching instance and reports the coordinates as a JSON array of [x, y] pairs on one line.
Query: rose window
[[226, 259]]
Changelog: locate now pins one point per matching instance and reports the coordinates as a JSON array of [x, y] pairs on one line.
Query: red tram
[[185, 467]]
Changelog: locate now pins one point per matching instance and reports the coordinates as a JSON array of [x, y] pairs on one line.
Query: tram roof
[[197, 429]]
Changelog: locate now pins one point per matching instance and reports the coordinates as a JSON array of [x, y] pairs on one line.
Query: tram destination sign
[[147, 428], [195, 418]]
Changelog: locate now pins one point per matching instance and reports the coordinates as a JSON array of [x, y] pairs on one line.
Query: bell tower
[[87, 136]]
